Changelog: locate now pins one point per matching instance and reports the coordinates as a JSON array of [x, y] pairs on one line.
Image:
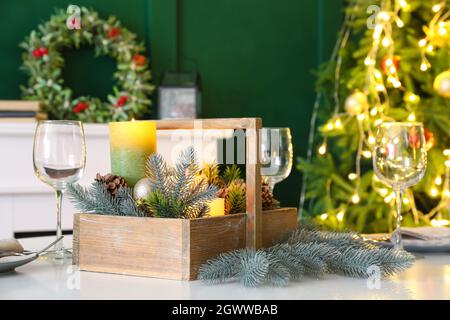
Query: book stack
[[20, 111]]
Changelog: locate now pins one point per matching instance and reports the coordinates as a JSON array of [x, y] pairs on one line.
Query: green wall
[[255, 57]]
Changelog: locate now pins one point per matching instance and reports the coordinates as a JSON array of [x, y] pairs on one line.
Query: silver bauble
[[142, 189], [442, 84]]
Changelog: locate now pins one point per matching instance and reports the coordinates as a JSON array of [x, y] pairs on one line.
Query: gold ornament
[[356, 103], [142, 189], [442, 84], [439, 34]]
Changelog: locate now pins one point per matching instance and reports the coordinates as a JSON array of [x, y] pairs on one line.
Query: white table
[[429, 278]]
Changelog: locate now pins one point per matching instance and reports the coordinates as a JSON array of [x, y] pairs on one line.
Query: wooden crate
[[165, 248], [175, 248]]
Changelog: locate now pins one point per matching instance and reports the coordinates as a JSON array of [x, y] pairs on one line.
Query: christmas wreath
[[43, 62]]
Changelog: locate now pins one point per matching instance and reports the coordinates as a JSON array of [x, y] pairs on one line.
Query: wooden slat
[[228, 123], [277, 224], [253, 186]]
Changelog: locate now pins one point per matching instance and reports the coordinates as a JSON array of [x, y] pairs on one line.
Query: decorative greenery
[[43, 62], [179, 192], [97, 199], [235, 199], [307, 251], [329, 189]]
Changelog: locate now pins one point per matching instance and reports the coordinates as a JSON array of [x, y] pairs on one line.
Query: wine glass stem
[[398, 203], [58, 246]]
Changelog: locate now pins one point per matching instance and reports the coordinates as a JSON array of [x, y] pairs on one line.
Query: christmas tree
[[390, 63]]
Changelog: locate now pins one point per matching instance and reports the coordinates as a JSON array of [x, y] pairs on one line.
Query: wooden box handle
[[252, 166]]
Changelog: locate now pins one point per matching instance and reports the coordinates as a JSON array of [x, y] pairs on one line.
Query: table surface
[[429, 278]]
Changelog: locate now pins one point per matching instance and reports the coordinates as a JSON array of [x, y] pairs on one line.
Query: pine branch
[[81, 198], [232, 173], [158, 172], [307, 251]]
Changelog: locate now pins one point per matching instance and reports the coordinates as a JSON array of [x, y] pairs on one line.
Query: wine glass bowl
[[276, 155], [400, 160], [59, 158]]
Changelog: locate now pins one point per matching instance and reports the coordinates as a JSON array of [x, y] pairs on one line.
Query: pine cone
[[111, 182], [268, 201]]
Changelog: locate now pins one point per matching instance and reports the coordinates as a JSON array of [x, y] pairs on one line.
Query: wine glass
[[276, 155], [400, 160], [59, 158]]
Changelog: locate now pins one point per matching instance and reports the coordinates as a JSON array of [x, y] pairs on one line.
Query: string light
[[436, 7], [400, 23], [374, 111], [447, 163], [438, 181], [371, 139], [430, 48], [338, 123], [324, 216], [378, 122], [405, 200], [434, 192], [383, 192], [367, 154], [386, 42], [330, 126], [422, 42], [340, 215], [384, 16], [423, 66], [352, 176], [439, 223], [361, 117], [446, 152], [412, 117], [355, 198], [403, 4], [323, 149]]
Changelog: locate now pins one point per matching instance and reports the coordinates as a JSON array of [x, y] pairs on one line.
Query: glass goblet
[[399, 161], [276, 155], [59, 158]]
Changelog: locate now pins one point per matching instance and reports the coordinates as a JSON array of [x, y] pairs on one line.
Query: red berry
[[39, 52], [121, 101], [113, 32], [80, 107], [138, 59]]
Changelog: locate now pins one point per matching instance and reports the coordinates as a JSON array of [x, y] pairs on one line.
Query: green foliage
[[97, 199], [179, 193], [211, 172], [231, 174], [235, 199], [307, 251], [45, 81], [328, 189]]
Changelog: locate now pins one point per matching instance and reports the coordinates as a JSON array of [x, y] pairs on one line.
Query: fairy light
[[361, 116], [422, 43], [434, 192], [405, 200], [377, 32], [430, 48], [340, 215], [383, 15], [399, 23], [352, 176], [438, 181], [439, 223], [383, 192], [386, 42], [423, 66], [355, 198], [371, 139], [412, 117], [367, 154], [446, 152], [392, 69], [378, 122], [412, 98], [380, 87], [324, 216], [338, 123], [330, 126], [377, 74], [436, 8], [389, 62], [323, 149], [369, 61], [388, 198], [374, 111], [403, 4]]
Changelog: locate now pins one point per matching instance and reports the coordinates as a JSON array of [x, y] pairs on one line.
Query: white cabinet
[[28, 205]]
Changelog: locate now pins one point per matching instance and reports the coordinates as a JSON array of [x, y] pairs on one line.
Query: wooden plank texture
[[229, 123]]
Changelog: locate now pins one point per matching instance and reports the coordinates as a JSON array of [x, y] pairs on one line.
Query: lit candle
[[131, 144], [217, 207]]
